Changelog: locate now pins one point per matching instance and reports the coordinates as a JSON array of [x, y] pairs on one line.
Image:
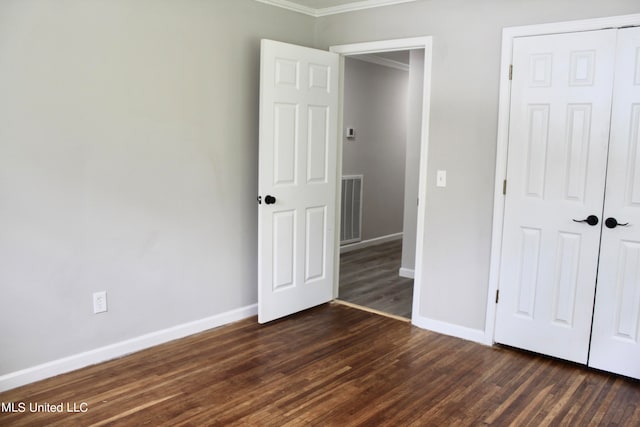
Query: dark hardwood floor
[[331, 366], [369, 277]]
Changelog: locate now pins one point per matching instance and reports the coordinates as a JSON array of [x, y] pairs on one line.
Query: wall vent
[[351, 215]]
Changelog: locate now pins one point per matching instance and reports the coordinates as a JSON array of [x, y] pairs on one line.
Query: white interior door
[[615, 344], [297, 178], [559, 132]]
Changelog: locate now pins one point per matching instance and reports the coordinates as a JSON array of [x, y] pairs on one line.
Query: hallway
[[369, 277]]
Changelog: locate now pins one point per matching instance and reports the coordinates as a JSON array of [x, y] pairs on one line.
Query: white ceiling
[[330, 7]]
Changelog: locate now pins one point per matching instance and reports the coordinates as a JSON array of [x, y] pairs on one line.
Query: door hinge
[[497, 295], [511, 72], [504, 187]]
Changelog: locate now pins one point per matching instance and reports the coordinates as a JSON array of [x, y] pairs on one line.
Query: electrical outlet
[[99, 302]]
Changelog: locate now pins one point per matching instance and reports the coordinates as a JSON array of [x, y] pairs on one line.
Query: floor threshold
[[371, 310]]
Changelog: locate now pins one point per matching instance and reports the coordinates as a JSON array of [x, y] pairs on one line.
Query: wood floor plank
[[331, 366], [369, 277]]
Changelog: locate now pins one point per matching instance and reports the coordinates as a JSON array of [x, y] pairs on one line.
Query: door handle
[[269, 200], [591, 220], [613, 223]]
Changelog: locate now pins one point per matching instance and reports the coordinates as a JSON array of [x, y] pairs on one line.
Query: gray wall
[[412, 164], [128, 163], [375, 104], [464, 106], [128, 156]]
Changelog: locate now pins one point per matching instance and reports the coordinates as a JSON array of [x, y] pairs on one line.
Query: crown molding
[[285, 4], [385, 62], [359, 5], [333, 10]]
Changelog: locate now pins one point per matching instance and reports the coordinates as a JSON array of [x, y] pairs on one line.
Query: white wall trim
[[384, 46], [508, 35], [469, 334], [408, 273], [122, 348], [385, 62], [421, 237], [332, 10], [370, 242]]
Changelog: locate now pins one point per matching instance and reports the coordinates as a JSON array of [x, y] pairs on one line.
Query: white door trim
[[386, 46], [508, 35]]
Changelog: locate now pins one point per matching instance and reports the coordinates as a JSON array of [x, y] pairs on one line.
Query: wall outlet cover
[[99, 302]]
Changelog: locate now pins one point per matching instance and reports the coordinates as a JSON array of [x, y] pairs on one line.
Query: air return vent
[[351, 218]]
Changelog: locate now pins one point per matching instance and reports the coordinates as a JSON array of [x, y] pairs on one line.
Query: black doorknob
[[591, 220], [613, 223], [269, 200]]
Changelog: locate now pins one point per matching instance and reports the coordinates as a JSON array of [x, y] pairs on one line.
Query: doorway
[[380, 161], [301, 90], [415, 248]]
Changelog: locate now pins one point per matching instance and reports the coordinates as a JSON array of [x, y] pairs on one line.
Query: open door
[[297, 178]]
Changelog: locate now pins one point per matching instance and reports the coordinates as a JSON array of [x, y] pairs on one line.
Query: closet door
[[559, 132], [615, 344]]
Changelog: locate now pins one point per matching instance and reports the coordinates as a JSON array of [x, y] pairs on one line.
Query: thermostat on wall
[[350, 133]]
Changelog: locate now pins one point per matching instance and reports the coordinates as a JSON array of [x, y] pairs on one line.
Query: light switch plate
[[441, 179]]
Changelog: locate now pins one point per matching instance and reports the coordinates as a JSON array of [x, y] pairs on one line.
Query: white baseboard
[[409, 273], [102, 354], [450, 329], [370, 242]]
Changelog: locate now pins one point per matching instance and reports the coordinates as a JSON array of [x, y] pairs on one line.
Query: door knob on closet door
[[613, 223], [591, 220], [269, 200]]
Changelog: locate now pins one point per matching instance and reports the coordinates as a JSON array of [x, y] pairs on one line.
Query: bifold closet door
[[615, 344], [558, 138]]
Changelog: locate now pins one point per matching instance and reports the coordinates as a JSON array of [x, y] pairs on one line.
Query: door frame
[[508, 36], [425, 43]]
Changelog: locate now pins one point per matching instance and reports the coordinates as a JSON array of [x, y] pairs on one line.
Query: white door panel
[[297, 166], [559, 130], [615, 344]]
